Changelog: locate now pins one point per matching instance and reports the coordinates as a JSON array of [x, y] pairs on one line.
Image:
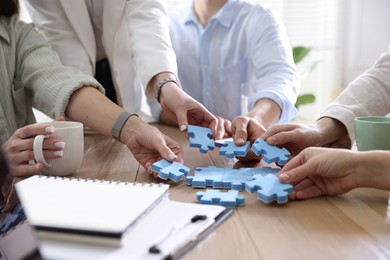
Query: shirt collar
[[224, 16], [3, 32]]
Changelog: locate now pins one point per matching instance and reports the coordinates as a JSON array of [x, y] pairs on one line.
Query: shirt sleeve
[[276, 74], [50, 18], [48, 83], [148, 28], [369, 94]]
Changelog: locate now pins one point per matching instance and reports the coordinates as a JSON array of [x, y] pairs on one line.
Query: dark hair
[[4, 167], [9, 7]]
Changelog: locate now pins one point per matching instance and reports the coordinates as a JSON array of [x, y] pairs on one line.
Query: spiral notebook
[[86, 210]]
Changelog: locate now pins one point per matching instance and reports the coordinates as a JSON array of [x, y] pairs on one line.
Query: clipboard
[[149, 231], [156, 230]]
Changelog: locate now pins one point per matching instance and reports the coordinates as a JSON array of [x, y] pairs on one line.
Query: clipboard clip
[[155, 249]]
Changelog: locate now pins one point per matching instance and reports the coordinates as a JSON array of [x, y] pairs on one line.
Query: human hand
[[246, 129], [319, 172], [149, 145], [294, 137], [19, 149], [186, 110], [224, 128]]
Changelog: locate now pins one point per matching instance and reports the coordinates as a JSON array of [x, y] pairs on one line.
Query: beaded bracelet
[[162, 83]]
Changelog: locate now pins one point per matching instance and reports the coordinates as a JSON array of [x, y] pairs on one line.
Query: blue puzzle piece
[[206, 176], [236, 179], [227, 178], [220, 142], [269, 188], [270, 153], [200, 137], [228, 199], [157, 166], [167, 170], [230, 149]]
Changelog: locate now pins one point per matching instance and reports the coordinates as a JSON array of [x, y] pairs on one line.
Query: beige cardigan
[[32, 76], [369, 94]]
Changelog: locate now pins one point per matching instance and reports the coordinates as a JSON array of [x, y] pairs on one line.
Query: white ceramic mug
[[72, 134]]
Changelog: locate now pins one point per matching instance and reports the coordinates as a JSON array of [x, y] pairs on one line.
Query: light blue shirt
[[242, 56]]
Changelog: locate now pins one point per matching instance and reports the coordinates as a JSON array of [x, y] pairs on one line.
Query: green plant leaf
[[305, 99], [299, 53]]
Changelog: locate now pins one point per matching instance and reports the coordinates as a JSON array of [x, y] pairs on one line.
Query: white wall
[[367, 35]]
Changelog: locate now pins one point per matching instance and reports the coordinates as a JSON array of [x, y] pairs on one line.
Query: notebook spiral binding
[[102, 181]]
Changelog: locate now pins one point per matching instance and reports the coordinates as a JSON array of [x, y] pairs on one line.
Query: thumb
[[182, 120], [294, 171], [165, 152], [239, 129]]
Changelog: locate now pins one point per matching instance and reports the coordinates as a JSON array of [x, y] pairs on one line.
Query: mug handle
[[38, 150]]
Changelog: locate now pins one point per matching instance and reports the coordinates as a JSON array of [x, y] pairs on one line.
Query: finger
[[311, 192], [278, 134], [27, 170], [60, 118], [212, 123], [53, 154], [239, 129], [294, 171], [48, 144], [220, 129], [28, 155], [292, 195], [228, 128], [281, 138], [161, 146], [53, 144], [21, 157], [304, 184], [182, 120], [275, 129], [33, 130]]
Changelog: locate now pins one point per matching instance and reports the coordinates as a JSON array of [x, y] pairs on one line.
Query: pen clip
[[155, 248]]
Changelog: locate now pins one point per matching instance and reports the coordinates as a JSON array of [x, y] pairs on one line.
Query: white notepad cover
[[89, 205]]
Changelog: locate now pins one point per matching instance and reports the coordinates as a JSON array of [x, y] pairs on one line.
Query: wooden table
[[352, 226]]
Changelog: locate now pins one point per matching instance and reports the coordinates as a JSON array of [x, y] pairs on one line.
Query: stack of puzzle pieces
[[263, 180]]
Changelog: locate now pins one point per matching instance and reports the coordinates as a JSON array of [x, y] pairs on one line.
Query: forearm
[[373, 169], [93, 109], [266, 112]]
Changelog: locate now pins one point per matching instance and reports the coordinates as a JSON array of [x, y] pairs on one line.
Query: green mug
[[372, 133]]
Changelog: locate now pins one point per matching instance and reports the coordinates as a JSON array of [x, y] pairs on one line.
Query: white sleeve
[[50, 18], [369, 94], [148, 27]]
